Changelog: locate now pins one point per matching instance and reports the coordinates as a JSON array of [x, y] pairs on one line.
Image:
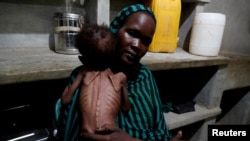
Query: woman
[[133, 28]]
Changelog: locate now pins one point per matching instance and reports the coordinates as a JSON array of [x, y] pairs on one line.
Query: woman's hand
[[115, 134], [177, 137]]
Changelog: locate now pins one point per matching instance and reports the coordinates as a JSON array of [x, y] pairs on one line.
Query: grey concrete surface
[[38, 63]]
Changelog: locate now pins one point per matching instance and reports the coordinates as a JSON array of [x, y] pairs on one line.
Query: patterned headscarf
[[125, 12]]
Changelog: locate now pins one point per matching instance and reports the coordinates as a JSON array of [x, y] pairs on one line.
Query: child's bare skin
[[102, 92]]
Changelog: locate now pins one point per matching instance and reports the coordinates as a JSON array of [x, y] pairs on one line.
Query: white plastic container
[[207, 33]]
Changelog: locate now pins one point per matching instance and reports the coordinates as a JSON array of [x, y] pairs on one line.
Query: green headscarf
[[125, 12]]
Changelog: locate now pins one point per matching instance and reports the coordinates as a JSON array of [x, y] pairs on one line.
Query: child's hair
[[96, 45]]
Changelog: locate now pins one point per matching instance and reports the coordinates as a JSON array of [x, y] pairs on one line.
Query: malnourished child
[[102, 93]]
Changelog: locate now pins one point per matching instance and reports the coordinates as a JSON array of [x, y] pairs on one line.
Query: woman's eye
[[133, 33], [146, 41]]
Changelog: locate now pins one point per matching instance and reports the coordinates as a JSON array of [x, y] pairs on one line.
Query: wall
[[236, 38], [29, 23]]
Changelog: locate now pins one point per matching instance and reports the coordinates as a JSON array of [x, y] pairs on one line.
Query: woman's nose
[[135, 42]]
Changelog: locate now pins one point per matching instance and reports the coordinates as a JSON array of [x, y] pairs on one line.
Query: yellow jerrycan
[[167, 13]]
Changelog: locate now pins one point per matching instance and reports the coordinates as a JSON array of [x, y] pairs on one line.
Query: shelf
[[181, 59], [26, 64], [174, 120], [205, 1]]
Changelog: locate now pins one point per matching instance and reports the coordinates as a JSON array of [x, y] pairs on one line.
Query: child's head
[[96, 45]]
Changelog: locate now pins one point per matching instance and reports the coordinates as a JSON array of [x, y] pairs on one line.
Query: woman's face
[[134, 37]]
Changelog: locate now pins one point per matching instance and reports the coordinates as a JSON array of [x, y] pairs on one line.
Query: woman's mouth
[[130, 55]]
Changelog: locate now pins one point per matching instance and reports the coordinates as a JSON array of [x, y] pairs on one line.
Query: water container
[[167, 14], [67, 26], [207, 33]]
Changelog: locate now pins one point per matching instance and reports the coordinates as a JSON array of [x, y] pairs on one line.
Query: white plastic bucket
[[207, 33]]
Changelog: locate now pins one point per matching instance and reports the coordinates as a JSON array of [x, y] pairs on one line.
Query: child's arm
[[69, 91]]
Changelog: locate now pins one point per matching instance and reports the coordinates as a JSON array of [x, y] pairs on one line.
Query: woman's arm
[[160, 131]]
